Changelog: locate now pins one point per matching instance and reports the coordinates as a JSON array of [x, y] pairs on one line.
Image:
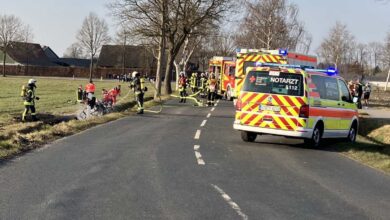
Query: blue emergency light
[[290, 66], [331, 71], [283, 52]]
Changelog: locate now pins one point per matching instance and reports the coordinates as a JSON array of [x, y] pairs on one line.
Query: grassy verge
[[56, 111], [372, 146], [18, 138]]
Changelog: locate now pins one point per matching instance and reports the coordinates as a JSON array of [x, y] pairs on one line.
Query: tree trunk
[[177, 68], [168, 73], [91, 68], [160, 62], [4, 57]]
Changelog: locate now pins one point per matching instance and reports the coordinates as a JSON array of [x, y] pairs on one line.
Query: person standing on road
[[138, 84], [29, 100], [359, 93], [182, 87], [194, 82], [366, 95], [211, 87]]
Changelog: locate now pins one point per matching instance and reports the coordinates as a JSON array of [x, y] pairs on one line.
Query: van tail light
[[304, 111], [239, 105]]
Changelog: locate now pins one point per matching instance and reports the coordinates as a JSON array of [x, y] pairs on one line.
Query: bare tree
[[189, 17], [27, 37], [147, 20], [92, 36], [11, 29], [375, 53], [386, 57], [336, 48], [270, 24], [74, 51], [181, 61]]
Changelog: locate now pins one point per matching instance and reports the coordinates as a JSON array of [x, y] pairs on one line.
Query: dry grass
[[373, 144], [56, 111]]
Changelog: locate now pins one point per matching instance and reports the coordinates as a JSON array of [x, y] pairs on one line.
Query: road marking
[[197, 134], [213, 108], [208, 115], [196, 147], [232, 204], [203, 123], [199, 158]]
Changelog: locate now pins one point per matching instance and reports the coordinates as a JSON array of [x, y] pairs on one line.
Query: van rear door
[[272, 99]]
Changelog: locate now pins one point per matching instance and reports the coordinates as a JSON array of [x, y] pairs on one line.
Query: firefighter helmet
[[134, 74], [32, 81]]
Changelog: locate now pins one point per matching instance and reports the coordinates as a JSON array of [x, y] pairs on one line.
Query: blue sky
[[55, 22]]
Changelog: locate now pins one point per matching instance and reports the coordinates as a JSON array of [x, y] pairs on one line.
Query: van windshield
[[274, 82]]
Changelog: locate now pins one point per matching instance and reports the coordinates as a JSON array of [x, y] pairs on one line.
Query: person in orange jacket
[[90, 93]]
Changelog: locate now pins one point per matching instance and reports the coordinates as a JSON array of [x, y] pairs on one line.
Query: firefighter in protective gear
[[29, 100], [80, 94], [211, 89], [138, 85], [182, 87], [194, 82], [202, 84]]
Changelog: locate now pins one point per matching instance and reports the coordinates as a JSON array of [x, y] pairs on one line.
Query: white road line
[[199, 158], [203, 123], [208, 115], [232, 204], [196, 147], [197, 134], [213, 109]]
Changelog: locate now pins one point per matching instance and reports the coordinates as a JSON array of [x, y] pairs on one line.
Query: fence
[[78, 72]]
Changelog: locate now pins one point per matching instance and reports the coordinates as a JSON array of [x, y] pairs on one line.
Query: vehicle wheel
[[316, 139], [352, 133], [248, 136]]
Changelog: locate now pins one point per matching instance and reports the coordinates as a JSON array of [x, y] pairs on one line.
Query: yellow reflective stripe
[[280, 123], [254, 121], [246, 117], [246, 97], [291, 123]]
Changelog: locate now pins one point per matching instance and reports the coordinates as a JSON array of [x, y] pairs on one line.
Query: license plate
[[270, 108]]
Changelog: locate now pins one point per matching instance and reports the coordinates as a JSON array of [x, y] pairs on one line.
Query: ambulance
[[291, 101], [249, 57], [224, 69]]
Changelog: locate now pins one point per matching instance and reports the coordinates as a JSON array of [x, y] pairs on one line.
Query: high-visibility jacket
[[203, 83], [30, 97], [211, 85], [90, 88], [193, 81]]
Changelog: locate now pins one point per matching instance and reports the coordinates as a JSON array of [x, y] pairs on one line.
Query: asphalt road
[[159, 166]]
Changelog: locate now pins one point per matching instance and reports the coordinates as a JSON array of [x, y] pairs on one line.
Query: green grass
[[57, 96], [57, 99]]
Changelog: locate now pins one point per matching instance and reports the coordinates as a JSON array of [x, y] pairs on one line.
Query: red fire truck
[[224, 69]]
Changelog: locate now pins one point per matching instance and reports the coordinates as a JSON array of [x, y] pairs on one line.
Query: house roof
[[50, 53], [29, 54], [135, 56], [76, 62]]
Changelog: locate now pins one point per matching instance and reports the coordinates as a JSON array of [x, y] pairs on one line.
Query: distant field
[[57, 96]]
